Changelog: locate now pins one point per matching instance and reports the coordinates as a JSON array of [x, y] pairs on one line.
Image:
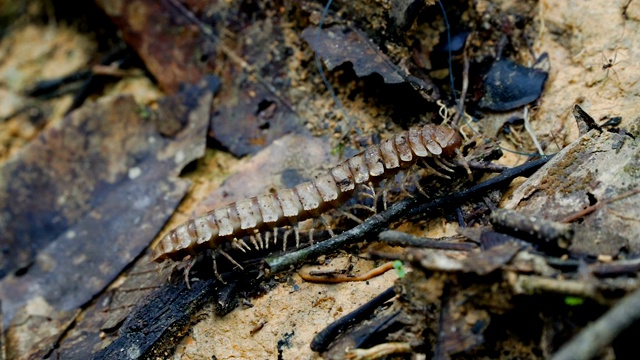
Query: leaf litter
[[485, 291]]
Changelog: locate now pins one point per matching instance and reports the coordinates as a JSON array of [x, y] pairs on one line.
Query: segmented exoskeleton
[[258, 214]]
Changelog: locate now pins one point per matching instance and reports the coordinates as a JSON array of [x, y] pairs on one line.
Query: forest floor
[[120, 121]]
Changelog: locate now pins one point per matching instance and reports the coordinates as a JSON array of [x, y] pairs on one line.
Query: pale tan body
[[308, 199]]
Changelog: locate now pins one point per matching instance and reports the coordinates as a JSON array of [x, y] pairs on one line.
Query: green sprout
[[399, 268], [573, 300]]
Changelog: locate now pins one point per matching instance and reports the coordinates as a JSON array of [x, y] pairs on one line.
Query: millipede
[[227, 225]]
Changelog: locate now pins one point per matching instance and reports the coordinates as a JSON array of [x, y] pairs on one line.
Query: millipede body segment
[[308, 199]]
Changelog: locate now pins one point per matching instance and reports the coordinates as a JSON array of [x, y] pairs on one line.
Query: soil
[[591, 47]]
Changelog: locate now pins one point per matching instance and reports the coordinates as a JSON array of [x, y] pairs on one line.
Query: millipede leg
[[215, 269], [275, 237], [267, 235], [447, 162], [368, 193], [259, 236], [375, 197], [187, 269], [253, 241], [297, 232], [311, 236], [284, 240], [244, 244], [461, 158], [385, 194], [324, 221], [363, 207], [230, 259], [416, 183], [160, 268], [434, 171], [240, 245], [440, 163], [351, 216], [405, 179], [371, 194]]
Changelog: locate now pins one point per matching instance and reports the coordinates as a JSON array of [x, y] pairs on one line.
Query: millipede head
[[448, 138]]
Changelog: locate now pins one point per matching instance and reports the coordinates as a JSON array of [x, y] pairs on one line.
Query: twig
[[503, 179], [486, 166], [340, 278], [322, 340], [588, 210], [592, 339], [527, 126], [404, 209], [531, 284], [532, 228], [395, 238], [379, 351], [629, 266]]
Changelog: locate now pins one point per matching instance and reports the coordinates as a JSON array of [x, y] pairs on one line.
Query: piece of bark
[[597, 167]]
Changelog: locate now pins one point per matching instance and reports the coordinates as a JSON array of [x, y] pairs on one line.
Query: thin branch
[[340, 278], [595, 337], [322, 340], [395, 238], [403, 209]]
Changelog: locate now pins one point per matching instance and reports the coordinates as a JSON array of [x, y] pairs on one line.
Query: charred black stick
[[322, 340], [395, 238], [404, 209], [532, 228], [501, 180]]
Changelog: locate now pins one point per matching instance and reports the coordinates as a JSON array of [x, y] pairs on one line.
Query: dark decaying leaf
[[251, 110], [250, 116], [339, 44], [490, 260], [173, 49], [404, 12], [508, 85], [95, 189], [584, 120], [481, 263]]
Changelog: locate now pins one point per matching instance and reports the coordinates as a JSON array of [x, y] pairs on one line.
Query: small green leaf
[[338, 150], [573, 300], [399, 268], [144, 112]]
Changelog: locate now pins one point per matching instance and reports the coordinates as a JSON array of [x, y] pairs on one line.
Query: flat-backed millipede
[[258, 214]]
